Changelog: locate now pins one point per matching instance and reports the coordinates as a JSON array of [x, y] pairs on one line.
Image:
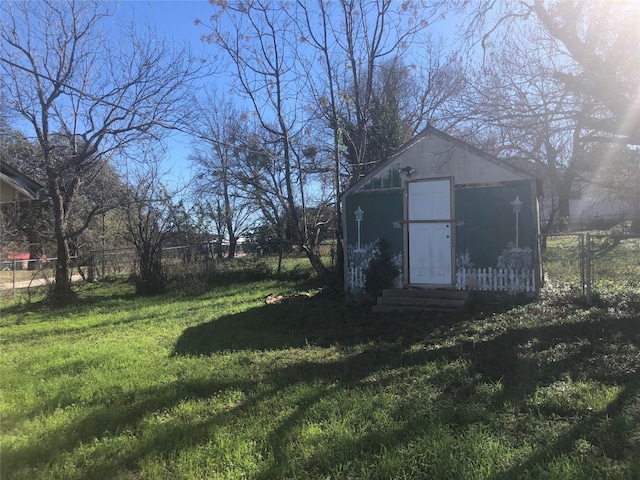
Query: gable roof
[[431, 131], [19, 181]]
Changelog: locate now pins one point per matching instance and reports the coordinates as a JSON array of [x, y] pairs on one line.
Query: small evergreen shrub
[[381, 271]]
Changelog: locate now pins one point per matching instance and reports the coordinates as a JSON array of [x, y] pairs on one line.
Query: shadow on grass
[[521, 358], [307, 322], [602, 348], [116, 412], [48, 310]]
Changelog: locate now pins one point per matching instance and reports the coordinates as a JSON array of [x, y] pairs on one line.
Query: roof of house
[[431, 131], [17, 256], [20, 182]]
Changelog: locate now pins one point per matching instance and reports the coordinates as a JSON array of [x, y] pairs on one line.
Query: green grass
[[615, 264], [222, 385], [8, 276], [561, 260]]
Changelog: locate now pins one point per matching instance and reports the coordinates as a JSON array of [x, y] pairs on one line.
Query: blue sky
[[174, 20]]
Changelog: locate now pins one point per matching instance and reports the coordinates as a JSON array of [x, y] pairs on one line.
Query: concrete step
[[421, 301], [407, 308], [425, 293], [413, 299]]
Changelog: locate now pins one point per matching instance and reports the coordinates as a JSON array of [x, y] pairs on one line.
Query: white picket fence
[[485, 279], [496, 279], [356, 277]]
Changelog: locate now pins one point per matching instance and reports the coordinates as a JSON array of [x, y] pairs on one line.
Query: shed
[[453, 216]]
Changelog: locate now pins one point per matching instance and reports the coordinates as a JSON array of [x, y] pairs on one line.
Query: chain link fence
[[15, 274], [591, 261], [124, 261]]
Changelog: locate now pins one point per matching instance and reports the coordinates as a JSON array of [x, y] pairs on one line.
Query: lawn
[[7, 277], [223, 385]]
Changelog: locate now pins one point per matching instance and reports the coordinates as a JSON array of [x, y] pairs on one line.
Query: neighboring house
[[597, 204], [594, 204], [15, 186], [448, 212], [17, 260]]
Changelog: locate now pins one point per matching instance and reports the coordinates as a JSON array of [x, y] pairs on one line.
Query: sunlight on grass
[[571, 397], [221, 385]]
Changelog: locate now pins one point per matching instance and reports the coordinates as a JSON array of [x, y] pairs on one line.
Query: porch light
[[359, 213], [517, 207], [408, 171]]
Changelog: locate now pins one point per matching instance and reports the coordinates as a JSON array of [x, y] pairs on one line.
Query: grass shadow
[[524, 359], [307, 321], [517, 353]]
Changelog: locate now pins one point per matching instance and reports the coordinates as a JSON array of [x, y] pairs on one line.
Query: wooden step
[[413, 299], [425, 293]]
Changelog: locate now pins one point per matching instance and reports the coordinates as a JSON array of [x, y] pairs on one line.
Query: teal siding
[[484, 232], [485, 221], [382, 218]]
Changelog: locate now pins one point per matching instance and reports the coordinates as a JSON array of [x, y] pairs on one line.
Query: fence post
[[582, 256], [13, 278], [92, 266], [542, 248], [588, 268]]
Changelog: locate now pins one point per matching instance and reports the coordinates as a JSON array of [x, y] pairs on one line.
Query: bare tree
[[350, 51], [85, 96], [354, 40], [255, 38], [261, 175], [216, 155], [557, 79], [526, 114], [597, 43], [152, 216], [317, 31]]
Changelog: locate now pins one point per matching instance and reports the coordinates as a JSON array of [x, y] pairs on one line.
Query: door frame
[[406, 222]]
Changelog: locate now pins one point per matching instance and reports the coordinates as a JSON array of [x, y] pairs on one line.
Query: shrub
[[381, 271]]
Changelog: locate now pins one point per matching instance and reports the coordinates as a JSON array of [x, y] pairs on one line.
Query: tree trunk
[[317, 265], [61, 293], [635, 220], [233, 245], [35, 250], [152, 278], [339, 268], [280, 255], [564, 206]]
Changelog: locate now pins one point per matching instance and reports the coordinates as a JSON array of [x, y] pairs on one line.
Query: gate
[[591, 260]]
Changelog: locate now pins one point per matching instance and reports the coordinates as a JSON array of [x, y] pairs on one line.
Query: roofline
[[19, 180], [457, 142]]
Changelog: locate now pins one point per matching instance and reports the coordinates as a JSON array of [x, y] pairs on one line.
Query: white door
[[430, 237]]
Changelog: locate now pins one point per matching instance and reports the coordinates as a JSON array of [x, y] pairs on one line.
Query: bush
[[381, 271], [152, 285]]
